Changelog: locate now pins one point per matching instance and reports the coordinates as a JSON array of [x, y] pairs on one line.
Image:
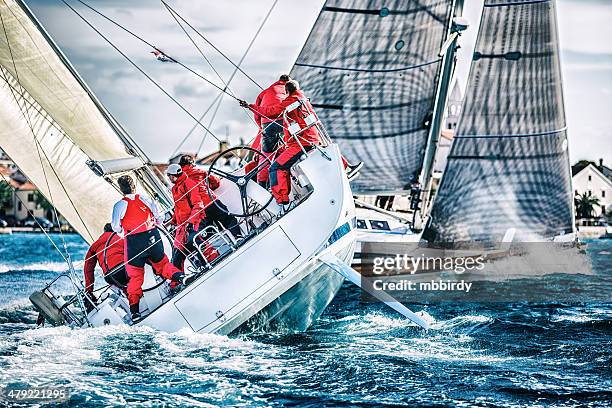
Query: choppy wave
[[357, 354], [38, 266]]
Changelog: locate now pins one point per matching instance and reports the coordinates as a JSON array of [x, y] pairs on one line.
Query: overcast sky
[[158, 125]]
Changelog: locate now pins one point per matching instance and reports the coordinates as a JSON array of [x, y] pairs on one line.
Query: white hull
[[274, 278]]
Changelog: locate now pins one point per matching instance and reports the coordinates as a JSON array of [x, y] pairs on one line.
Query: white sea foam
[[38, 266], [580, 317], [575, 319]]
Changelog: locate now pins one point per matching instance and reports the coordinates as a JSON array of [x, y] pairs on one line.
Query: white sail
[[51, 125]]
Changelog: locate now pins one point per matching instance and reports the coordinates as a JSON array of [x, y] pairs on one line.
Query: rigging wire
[[59, 251], [246, 111], [198, 121], [211, 44], [197, 47], [142, 40], [140, 69], [223, 90], [219, 99], [195, 126]]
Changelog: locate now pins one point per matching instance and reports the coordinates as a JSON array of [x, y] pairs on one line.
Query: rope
[[212, 45], [219, 97], [140, 69]]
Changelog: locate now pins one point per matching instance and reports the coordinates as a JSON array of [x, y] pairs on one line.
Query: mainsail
[[509, 166], [371, 68], [51, 125]]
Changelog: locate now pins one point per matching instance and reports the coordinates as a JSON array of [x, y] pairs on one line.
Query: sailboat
[[59, 134], [382, 82], [508, 167], [282, 271], [379, 77]]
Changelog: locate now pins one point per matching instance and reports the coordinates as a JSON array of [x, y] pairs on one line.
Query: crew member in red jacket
[[188, 213], [107, 251], [137, 217], [271, 125], [214, 210], [280, 180]]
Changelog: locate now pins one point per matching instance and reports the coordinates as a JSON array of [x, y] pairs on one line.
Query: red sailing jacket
[[188, 205], [138, 216], [272, 95], [309, 135], [199, 177], [188, 208], [95, 254]]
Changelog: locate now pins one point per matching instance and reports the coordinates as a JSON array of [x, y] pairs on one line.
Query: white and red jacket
[[135, 213]]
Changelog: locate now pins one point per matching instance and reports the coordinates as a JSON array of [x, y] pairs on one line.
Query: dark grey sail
[[508, 166], [370, 69]]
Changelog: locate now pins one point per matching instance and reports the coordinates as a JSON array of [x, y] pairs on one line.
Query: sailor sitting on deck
[[137, 217], [107, 251], [214, 210], [280, 179]]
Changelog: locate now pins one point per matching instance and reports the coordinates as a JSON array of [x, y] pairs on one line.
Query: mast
[[448, 53], [509, 164]]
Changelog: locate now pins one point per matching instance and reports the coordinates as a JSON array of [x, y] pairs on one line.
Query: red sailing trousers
[[280, 178], [142, 248]]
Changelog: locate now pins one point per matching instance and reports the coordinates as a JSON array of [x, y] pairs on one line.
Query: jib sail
[[509, 166], [51, 125]]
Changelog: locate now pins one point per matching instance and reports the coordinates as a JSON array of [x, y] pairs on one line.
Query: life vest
[[188, 206], [299, 116], [138, 216]]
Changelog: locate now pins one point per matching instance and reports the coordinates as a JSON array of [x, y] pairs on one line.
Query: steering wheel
[[236, 160]]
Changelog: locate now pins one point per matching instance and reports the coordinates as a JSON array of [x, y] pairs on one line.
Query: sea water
[[478, 354]]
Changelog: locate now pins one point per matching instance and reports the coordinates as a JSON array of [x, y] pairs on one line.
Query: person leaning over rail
[[280, 180], [291, 153], [271, 128], [137, 217], [108, 252]]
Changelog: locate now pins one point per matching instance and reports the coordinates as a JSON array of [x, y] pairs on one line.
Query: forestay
[[370, 69], [509, 165], [51, 125]]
